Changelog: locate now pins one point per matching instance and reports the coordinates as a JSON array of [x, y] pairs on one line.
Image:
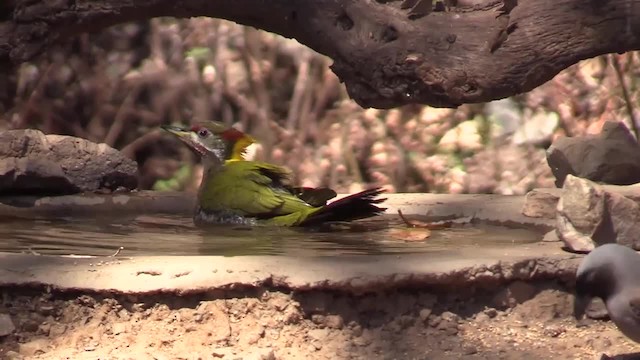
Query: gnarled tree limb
[[388, 52]]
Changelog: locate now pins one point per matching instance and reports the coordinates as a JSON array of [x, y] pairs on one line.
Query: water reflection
[[173, 235]]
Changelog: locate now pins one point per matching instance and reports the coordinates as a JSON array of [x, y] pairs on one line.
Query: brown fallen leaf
[[422, 224], [409, 234]]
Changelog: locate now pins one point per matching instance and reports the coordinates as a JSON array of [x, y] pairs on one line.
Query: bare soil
[[520, 321]]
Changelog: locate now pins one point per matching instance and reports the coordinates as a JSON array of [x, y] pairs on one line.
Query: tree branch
[[387, 52]]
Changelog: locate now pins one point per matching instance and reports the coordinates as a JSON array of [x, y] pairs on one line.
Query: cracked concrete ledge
[[482, 267], [485, 207]]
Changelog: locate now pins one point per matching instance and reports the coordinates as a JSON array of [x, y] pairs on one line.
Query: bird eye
[[203, 133]]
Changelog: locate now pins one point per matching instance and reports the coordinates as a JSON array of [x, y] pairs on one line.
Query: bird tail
[[353, 207]]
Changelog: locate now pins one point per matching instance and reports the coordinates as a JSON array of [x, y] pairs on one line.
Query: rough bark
[[388, 52]]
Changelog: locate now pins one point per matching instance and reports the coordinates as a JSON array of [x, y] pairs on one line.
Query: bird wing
[[314, 196], [250, 189]]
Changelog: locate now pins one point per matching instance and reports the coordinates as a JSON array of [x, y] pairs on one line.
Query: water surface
[[174, 235]]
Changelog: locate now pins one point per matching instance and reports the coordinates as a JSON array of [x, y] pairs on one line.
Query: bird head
[[211, 138]]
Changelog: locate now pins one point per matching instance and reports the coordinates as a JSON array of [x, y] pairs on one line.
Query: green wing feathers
[[262, 191], [250, 189]]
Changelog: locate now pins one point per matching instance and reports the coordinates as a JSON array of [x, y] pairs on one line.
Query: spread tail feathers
[[353, 207]]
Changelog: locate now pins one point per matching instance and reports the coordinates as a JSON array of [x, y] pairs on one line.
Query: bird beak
[[185, 136], [177, 131], [580, 304]]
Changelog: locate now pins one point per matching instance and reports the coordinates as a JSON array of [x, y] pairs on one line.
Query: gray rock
[[589, 216], [6, 325], [551, 236], [573, 239], [580, 211], [623, 222], [34, 163], [540, 203], [612, 157]]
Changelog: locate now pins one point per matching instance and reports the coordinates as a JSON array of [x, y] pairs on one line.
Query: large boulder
[[589, 215], [611, 157], [34, 163]]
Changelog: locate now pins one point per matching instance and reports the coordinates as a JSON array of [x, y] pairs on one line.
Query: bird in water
[[241, 192], [611, 272]]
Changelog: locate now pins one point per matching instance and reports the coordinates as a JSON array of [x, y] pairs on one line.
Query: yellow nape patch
[[244, 149]]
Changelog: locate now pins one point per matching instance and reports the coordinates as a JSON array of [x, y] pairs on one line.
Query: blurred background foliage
[[119, 85]]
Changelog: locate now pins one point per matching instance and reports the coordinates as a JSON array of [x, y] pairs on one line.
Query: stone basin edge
[[486, 267]]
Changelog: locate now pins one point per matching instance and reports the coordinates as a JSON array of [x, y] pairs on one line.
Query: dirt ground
[[521, 321]]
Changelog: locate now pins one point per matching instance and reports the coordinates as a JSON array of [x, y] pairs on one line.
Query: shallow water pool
[[176, 235]]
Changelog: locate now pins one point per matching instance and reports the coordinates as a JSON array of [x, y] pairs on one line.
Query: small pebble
[[424, 314], [469, 350], [334, 321]]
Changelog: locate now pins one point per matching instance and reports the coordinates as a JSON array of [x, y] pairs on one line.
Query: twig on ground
[[33, 252], [117, 251]]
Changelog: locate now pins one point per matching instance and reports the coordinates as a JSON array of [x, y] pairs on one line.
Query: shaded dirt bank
[[521, 320]]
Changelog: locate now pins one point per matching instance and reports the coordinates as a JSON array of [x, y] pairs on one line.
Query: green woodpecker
[[237, 143], [236, 191]]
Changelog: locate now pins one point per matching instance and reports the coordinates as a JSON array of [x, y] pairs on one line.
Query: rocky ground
[[521, 321]]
